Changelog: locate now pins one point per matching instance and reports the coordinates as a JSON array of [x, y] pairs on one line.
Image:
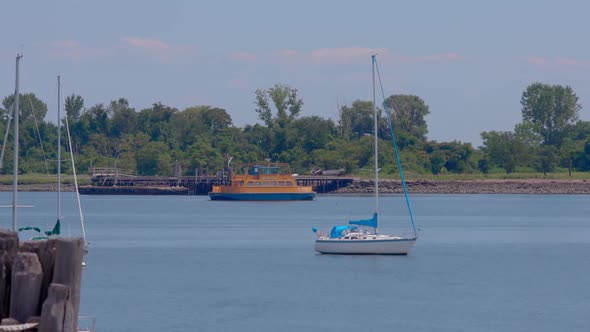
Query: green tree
[[216, 119], [408, 114], [123, 118], [97, 118], [529, 140], [153, 159], [155, 121], [582, 161], [199, 123], [314, 132], [285, 101], [503, 149], [551, 108], [356, 120], [73, 106], [31, 108], [547, 159]]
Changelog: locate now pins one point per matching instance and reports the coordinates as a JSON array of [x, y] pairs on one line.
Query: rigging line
[[39, 134], [76, 183], [399, 164], [8, 121]]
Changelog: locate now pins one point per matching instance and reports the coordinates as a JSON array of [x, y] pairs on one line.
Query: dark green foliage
[[285, 101], [551, 108], [356, 120], [408, 114], [503, 149], [201, 138], [73, 107], [31, 108], [547, 159]]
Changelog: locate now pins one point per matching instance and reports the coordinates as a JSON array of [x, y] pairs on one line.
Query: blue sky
[[469, 60]]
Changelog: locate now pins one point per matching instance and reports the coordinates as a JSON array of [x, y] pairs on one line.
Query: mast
[[58, 148], [15, 163], [375, 139]]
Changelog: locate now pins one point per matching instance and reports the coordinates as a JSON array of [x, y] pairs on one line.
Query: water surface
[[482, 263]]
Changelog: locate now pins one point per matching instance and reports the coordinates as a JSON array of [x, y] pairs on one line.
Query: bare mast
[[15, 163], [376, 144], [58, 148]]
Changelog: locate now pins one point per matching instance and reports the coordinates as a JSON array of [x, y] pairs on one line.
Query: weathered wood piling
[[40, 283]]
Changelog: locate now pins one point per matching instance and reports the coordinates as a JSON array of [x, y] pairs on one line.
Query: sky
[[468, 60]]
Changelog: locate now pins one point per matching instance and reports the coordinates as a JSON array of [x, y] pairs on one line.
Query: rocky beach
[[502, 186]]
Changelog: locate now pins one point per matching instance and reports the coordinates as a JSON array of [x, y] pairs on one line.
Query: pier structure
[[110, 180]]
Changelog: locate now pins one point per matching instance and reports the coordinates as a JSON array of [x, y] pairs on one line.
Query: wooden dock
[[119, 181]]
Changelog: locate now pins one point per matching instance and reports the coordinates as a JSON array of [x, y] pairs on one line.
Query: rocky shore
[[516, 186], [512, 186]]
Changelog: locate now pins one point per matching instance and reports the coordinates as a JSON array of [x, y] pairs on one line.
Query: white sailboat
[[361, 236]]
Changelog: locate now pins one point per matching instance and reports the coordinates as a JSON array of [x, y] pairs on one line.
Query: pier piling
[[40, 283]]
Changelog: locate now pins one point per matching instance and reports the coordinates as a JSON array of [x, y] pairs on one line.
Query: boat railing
[[111, 172]]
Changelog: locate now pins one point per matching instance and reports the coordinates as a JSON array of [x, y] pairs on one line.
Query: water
[[482, 263]]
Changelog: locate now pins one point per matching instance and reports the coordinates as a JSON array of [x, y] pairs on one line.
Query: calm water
[[482, 263]]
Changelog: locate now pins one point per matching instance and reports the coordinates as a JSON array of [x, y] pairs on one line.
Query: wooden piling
[[8, 250], [26, 286], [40, 282], [55, 310], [69, 254], [45, 250]]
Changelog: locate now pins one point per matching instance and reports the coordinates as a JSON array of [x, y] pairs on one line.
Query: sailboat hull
[[398, 246]]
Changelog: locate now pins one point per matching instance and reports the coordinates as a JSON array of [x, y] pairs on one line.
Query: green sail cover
[[56, 229], [29, 228]]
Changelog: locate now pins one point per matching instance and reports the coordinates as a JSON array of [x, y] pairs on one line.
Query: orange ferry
[[262, 182]]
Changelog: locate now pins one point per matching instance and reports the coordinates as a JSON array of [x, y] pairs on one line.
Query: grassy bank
[[6, 179]]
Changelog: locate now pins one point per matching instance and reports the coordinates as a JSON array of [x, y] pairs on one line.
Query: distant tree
[[528, 141], [153, 159], [408, 114], [73, 107], [582, 160], [97, 118], [31, 108], [216, 119], [438, 158], [356, 120], [547, 159], [567, 154], [199, 123], [551, 108], [123, 118], [285, 101], [503, 149], [155, 121], [313, 132]]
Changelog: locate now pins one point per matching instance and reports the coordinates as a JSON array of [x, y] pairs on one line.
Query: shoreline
[[483, 186]]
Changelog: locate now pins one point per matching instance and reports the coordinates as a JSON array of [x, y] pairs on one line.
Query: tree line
[[152, 140]]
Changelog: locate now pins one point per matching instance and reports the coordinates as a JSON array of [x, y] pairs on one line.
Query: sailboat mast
[[58, 148], [15, 163], [375, 139]]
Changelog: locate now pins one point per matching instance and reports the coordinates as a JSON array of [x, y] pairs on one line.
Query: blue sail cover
[[366, 222], [337, 231]]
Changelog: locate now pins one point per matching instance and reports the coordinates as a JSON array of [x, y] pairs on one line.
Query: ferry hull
[[365, 247], [261, 196]]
